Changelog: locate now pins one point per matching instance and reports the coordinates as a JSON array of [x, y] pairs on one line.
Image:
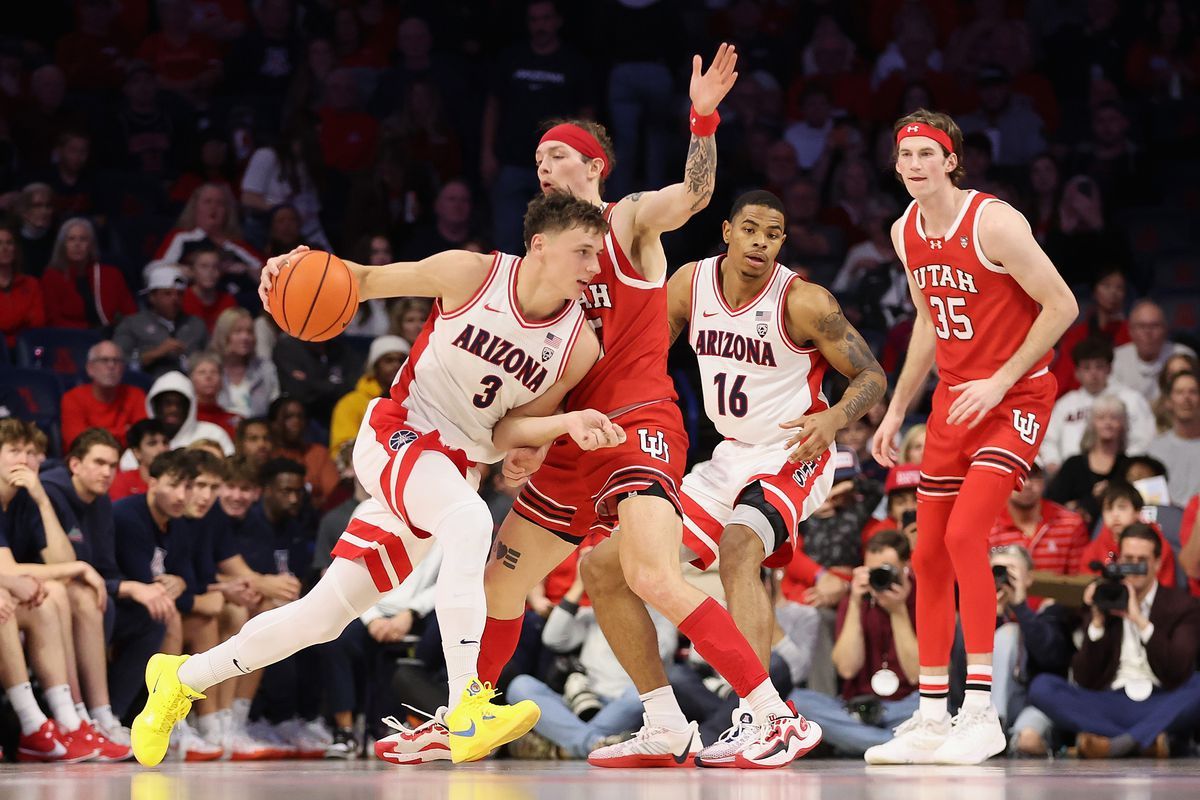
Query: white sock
[[82, 712], [765, 702], [62, 708], [209, 726], [459, 600], [28, 711], [978, 694], [934, 691], [104, 717], [240, 713], [663, 709]]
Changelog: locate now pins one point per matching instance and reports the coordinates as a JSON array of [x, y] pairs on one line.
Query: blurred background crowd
[[153, 153]]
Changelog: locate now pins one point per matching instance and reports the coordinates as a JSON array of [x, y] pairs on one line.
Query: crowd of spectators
[[174, 464]]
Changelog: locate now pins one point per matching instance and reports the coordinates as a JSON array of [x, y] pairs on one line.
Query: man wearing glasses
[[105, 402]]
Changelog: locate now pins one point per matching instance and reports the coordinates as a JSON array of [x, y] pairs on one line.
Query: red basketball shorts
[[576, 492], [1006, 441]]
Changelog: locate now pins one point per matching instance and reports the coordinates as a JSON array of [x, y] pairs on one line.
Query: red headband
[[921, 129], [581, 140]]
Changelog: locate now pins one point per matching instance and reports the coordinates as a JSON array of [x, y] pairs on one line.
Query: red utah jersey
[[629, 315], [981, 315]]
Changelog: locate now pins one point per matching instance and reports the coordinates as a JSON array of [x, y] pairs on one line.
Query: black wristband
[[568, 606]]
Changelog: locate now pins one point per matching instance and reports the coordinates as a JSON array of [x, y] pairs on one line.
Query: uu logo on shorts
[[1027, 426], [401, 438]]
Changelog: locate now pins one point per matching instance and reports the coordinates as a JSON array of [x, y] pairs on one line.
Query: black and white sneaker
[[344, 745]]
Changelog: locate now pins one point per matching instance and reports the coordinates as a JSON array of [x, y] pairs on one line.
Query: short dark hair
[[206, 463], [279, 466], [173, 462], [90, 438], [1149, 462], [1093, 348], [1106, 270], [1140, 530], [277, 405], [1174, 379], [756, 197], [893, 539], [1121, 489], [558, 211], [143, 428], [244, 425], [241, 470]]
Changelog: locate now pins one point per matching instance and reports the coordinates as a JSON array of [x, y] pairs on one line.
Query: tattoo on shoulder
[[634, 197]]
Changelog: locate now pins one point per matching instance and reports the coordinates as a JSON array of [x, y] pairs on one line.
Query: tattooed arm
[[813, 315]]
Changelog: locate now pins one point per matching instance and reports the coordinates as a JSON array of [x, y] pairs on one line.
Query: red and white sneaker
[[723, 752], [427, 742], [780, 742], [106, 749], [50, 745], [652, 746]]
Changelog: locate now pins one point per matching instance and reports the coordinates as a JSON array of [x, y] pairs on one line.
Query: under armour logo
[[1027, 426], [401, 438], [655, 446], [935, 244], [912, 129]]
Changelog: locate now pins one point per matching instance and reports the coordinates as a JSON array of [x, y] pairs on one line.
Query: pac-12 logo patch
[[401, 438]]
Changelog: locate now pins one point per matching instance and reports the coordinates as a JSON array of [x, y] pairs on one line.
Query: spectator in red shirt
[[900, 489], [105, 402], [205, 299], [1121, 507], [1054, 536], [20, 294], [211, 217], [207, 380], [348, 134], [78, 290], [1189, 555], [147, 438], [1107, 319], [183, 61]]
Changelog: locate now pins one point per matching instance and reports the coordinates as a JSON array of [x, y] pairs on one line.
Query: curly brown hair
[[558, 211], [595, 129], [943, 122]]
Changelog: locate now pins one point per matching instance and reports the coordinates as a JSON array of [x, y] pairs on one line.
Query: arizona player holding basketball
[[763, 338], [636, 484], [990, 307], [505, 342]]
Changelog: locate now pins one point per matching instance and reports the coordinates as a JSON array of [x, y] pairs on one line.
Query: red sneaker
[[106, 749], [50, 745]]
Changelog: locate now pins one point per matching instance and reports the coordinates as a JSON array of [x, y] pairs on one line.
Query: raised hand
[[708, 88]]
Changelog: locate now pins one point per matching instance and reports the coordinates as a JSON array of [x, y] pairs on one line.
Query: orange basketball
[[314, 297]]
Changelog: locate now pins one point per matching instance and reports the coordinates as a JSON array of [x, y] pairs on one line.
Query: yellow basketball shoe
[[168, 703], [477, 726]]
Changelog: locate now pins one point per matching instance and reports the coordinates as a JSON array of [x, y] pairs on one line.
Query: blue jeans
[[561, 726], [512, 190], [843, 731], [641, 107], [1112, 713]]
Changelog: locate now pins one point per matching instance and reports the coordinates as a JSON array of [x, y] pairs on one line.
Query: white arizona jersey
[[754, 375], [473, 365]]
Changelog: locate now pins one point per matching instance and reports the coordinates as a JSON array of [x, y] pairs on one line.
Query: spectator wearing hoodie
[[172, 401], [159, 338], [105, 402], [385, 358]]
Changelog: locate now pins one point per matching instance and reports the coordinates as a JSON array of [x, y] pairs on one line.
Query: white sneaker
[[263, 731], [117, 733], [783, 739], [308, 743], [187, 745], [318, 730], [429, 741], [651, 747], [722, 753], [975, 736], [241, 746], [915, 741]]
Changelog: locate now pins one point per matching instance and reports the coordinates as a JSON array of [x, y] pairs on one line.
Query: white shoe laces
[[969, 720]]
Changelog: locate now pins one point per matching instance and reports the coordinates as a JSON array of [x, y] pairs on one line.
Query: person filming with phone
[[1135, 672]]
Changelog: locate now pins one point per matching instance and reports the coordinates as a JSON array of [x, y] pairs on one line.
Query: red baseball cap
[[902, 476]]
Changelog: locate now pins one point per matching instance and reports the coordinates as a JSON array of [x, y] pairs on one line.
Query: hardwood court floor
[[555, 780]]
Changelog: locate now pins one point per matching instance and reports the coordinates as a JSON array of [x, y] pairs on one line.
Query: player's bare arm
[[640, 218], [453, 276], [1008, 241], [813, 314], [540, 422], [679, 299], [918, 361]]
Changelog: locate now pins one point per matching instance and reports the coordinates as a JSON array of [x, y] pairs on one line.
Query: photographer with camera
[[1121, 506], [1028, 643], [875, 653], [1136, 668]]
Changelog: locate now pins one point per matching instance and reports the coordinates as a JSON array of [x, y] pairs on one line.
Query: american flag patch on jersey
[[552, 340], [762, 316]]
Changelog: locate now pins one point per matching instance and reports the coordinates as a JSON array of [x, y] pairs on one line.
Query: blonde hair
[[909, 439], [187, 217], [58, 256], [1105, 403], [223, 329]]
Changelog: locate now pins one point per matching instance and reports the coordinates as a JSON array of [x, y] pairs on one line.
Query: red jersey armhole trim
[[497, 257], [628, 275], [781, 318]]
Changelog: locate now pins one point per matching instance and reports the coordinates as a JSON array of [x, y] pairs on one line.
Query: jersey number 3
[[949, 321], [491, 384]]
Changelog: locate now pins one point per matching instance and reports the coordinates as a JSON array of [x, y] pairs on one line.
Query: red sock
[[935, 575], [980, 501], [496, 646], [723, 646]]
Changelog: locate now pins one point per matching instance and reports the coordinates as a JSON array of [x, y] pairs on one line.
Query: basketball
[[314, 297]]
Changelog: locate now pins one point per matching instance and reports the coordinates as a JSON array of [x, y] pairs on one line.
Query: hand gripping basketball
[[312, 295], [270, 272]]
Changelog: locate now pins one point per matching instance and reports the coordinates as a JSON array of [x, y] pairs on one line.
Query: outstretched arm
[[669, 208], [1007, 240], [814, 315]]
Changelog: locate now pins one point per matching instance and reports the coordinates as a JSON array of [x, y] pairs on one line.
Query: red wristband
[[703, 126]]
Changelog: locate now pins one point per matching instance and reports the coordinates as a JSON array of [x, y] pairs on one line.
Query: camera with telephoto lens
[[1111, 592], [881, 577], [1001, 577]]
